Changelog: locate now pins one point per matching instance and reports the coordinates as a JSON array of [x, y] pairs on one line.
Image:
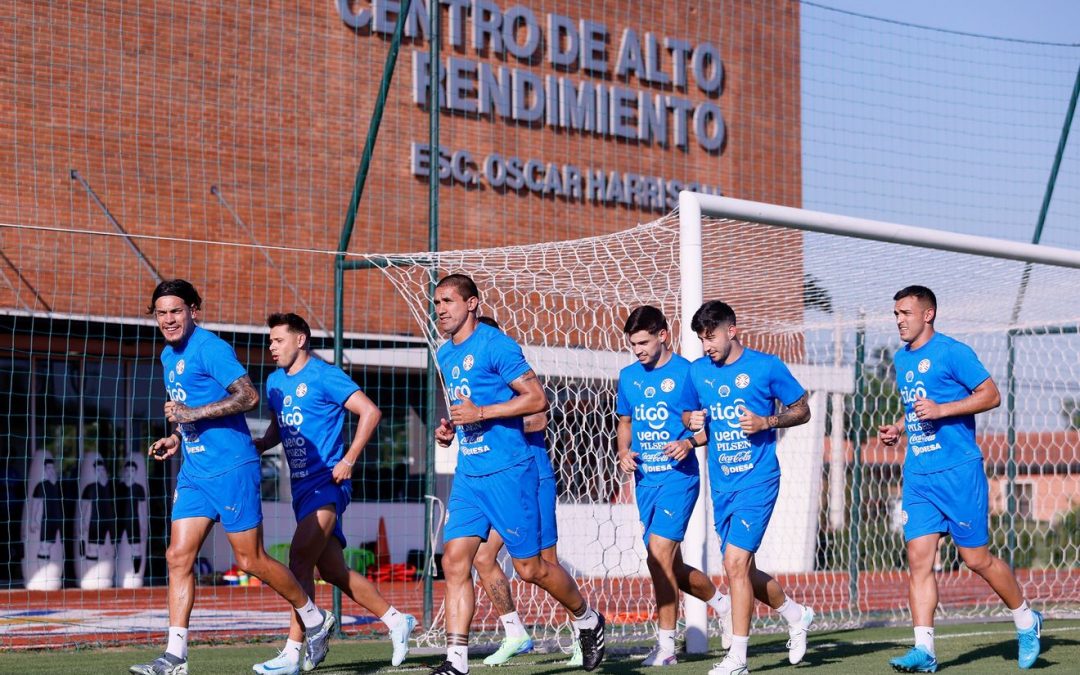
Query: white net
[[824, 304]]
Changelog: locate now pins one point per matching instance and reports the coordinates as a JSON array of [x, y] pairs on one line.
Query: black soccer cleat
[[592, 644], [446, 668]]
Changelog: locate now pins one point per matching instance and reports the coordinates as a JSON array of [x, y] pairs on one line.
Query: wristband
[[347, 463]]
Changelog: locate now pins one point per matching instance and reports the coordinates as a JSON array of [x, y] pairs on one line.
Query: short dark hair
[[489, 321], [295, 322], [463, 284], [645, 318], [920, 292], [178, 287], [711, 316]]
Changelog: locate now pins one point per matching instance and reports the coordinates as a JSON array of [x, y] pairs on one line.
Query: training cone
[[382, 547]]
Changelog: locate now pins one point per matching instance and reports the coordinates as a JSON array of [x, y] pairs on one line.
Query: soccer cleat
[[575, 656], [1029, 643], [659, 657], [446, 668], [726, 629], [797, 632], [318, 639], [399, 636], [510, 647], [729, 666], [279, 665], [918, 660], [592, 644], [166, 664]]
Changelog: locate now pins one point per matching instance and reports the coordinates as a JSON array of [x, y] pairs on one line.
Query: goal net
[[822, 300]]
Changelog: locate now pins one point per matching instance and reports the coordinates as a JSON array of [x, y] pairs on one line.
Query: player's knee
[[483, 564], [531, 570], [179, 559], [334, 575], [737, 567], [977, 561], [456, 568]]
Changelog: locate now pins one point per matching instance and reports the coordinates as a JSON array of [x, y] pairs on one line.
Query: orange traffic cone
[[382, 547]]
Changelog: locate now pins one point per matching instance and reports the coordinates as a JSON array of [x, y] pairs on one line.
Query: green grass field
[[967, 648]]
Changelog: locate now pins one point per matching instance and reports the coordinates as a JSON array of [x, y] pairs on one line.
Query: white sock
[[1023, 617], [392, 618], [739, 643], [791, 611], [177, 641], [458, 656], [666, 640], [310, 615], [720, 603], [588, 620], [512, 624], [924, 637], [292, 650]]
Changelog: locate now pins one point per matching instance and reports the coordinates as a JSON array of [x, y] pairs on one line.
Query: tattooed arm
[[242, 398], [791, 416], [529, 399]]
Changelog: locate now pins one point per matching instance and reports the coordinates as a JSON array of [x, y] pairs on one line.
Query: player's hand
[[751, 423], [342, 471], [889, 434], [465, 412], [178, 413], [925, 409], [697, 420], [444, 433], [678, 450], [164, 448], [628, 462]]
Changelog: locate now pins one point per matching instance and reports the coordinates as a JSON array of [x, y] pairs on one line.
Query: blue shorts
[[666, 506], [954, 501], [234, 498], [325, 494], [549, 528], [742, 516], [505, 500]]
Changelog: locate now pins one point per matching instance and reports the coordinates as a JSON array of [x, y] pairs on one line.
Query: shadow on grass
[[1006, 650]]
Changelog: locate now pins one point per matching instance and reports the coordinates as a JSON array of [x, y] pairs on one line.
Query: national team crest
[[180, 367], [724, 390], [924, 365], [650, 392], [286, 402], [467, 364], [742, 380], [301, 389], [668, 385]]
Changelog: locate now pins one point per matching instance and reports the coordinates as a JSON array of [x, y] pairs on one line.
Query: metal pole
[[433, 245], [1010, 462], [77, 177], [857, 434]]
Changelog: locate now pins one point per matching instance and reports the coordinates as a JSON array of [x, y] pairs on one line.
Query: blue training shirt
[[754, 382], [537, 440], [310, 410], [481, 369], [650, 398], [943, 370], [198, 373]]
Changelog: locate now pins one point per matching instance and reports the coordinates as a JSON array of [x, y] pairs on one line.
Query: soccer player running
[[655, 446], [943, 386], [732, 395], [491, 388], [309, 399], [492, 578], [209, 392]]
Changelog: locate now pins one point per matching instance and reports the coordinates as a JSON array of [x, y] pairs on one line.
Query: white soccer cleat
[[318, 639], [726, 629], [166, 664], [399, 636], [729, 666], [659, 657], [797, 632], [279, 665]]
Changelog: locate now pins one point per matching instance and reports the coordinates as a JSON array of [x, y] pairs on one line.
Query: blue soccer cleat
[[918, 660], [1029, 643]]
